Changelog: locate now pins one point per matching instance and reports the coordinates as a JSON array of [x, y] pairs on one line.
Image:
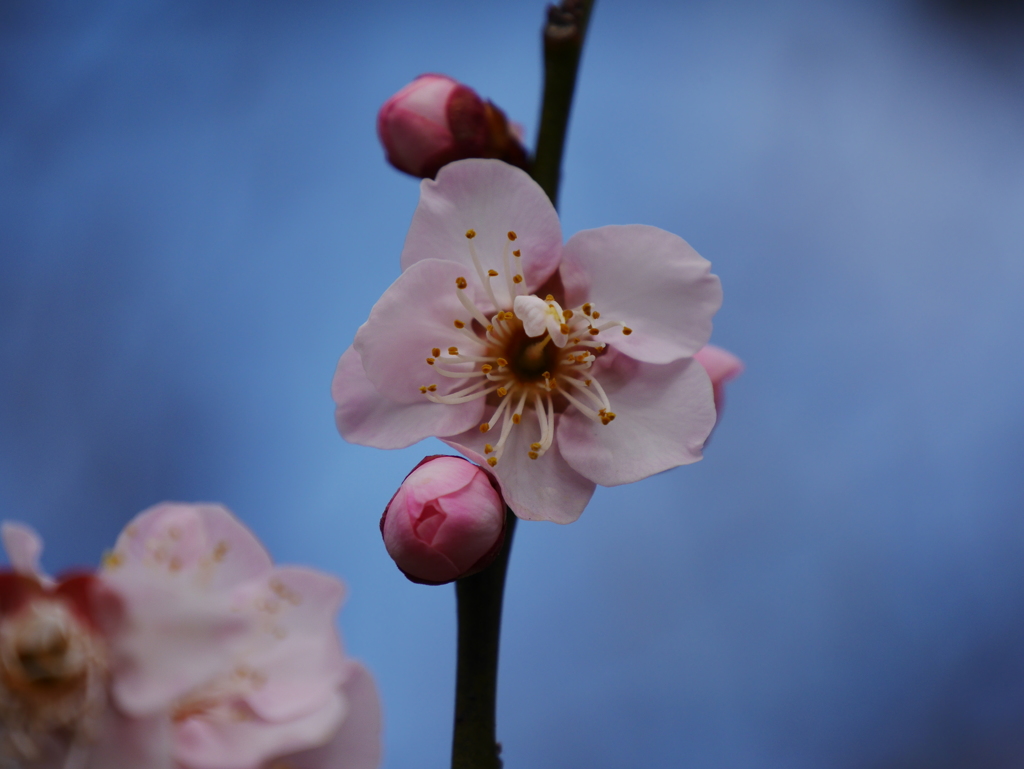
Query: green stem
[[479, 606], [564, 34], [479, 598]]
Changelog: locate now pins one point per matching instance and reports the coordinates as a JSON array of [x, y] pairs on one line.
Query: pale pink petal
[[132, 743], [414, 317], [23, 548], [173, 635], [357, 744], [491, 198], [367, 418], [296, 652], [543, 489], [245, 741], [663, 415], [204, 540], [651, 281], [721, 365]]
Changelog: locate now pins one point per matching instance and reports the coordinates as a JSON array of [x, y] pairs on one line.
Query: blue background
[[195, 217]]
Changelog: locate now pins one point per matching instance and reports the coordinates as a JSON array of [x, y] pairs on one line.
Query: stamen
[[453, 350], [480, 273], [430, 361], [470, 307], [512, 235], [517, 279], [459, 324], [436, 352], [586, 308], [627, 330], [470, 234]]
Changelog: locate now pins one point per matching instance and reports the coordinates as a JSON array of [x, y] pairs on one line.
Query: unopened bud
[[435, 120], [446, 521], [722, 366]]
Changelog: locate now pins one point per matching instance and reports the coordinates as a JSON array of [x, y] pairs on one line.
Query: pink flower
[[435, 120], [54, 668], [190, 650], [722, 366], [446, 521], [562, 367], [237, 659]]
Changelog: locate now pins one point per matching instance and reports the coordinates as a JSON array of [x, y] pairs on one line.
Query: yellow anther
[[502, 392], [112, 560], [486, 368], [546, 375], [490, 327], [594, 331], [432, 388], [492, 461], [453, 350], [488, 448], [532, 454], [627, 330], [484, 427], [517, 252], [470, 234], [586, 308], [512, 235], [517, 418], [509, 315], [430, 361], [493, 273], [423, 389], [587, 382], [502, 362], [436, 352], [567, 314], [461, 283], [459, 323], [575, 340], [596, 315], [549, 298], [535, 446], [564, 328], [517, 278], [600, 348]]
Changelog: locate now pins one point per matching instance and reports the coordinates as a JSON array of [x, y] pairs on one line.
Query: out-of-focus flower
[[435, 120], [53, 665], [241, 659], [189, 650], [559, 366], [722, 366], [446, 521]]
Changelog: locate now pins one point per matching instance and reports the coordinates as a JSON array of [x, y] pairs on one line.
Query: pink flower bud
[[435, 120], [722, 366], [446, 521]]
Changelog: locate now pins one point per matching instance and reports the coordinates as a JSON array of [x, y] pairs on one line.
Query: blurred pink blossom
[[561, 367], [240, 657], [446, 521], [435, 120], [188, 650]]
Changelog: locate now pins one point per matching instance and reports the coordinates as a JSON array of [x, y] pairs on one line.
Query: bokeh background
[[195, 217]]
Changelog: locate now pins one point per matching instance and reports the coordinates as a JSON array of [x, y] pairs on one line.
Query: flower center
[[527, 355], [52, 669]]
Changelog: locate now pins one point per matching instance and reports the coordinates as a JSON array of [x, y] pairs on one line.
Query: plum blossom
[[238, 657], [445, 522], [560, 366], [189, 650], [435, 120], [54, 669]]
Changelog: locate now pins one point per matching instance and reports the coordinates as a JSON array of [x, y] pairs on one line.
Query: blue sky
[[195, 217]]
